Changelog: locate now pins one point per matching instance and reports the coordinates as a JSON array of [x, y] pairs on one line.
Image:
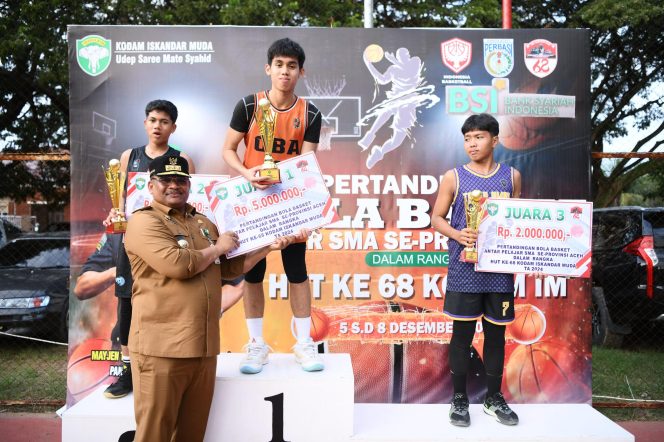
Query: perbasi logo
[[93, 54]]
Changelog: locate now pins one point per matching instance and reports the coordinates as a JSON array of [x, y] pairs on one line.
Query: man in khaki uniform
[[177, 264]]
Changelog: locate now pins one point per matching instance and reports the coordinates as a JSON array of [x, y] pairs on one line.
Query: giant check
[[300, 201], [139, 196], [548, 236]]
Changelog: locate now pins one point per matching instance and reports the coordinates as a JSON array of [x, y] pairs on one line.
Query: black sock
[[494, 355], [493, 384], [459, 383], [459, 353]]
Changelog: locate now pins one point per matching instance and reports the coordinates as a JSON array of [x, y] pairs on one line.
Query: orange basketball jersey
[[289, 132]]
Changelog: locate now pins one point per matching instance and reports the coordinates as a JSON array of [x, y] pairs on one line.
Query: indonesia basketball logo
[[93, 54], [456, 54], [541, 57]]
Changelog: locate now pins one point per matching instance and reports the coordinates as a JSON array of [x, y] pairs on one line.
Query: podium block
[[282, 402], [98, 418], [537, 422]]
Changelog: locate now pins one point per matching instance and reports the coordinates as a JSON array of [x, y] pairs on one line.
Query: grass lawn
[[627, 374], [32, 371]]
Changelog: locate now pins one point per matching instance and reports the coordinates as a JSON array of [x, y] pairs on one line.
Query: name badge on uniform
[[182, 243]]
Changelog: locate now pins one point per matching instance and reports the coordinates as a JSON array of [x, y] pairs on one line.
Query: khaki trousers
[[172, 397]]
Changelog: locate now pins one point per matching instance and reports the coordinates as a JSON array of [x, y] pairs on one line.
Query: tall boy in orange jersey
[[297, 131]]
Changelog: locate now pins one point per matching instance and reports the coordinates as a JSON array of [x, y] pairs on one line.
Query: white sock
[[126, 359], [255, 327], [303, 329]]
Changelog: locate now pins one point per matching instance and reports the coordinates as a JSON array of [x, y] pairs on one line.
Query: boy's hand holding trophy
[[115, 181]]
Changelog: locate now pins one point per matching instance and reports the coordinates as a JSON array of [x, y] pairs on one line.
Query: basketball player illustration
[[408, 92]]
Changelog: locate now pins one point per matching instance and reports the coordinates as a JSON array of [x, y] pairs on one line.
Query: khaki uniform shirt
[[176, 306]]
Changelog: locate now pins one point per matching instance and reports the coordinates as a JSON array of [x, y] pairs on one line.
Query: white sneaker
[[256, 357], [306, 354]]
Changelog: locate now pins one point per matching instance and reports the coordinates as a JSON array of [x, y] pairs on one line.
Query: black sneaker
[[122, 387], [497, 407], [459, 414]]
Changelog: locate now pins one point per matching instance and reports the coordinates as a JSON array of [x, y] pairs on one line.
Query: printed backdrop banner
[[393, 102]]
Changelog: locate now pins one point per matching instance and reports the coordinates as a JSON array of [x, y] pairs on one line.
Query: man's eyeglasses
[[168, 180]]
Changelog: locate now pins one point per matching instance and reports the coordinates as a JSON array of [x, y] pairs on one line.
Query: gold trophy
[[266, 121], [115, 180], [474, 208]]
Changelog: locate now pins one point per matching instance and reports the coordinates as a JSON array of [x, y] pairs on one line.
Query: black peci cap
[[165, 166]]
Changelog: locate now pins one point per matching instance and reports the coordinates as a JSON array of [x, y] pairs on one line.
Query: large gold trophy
[[474, 208], [266, 121], [115, 180]]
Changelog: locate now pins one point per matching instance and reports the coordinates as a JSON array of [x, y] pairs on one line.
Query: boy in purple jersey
[[474, 295]]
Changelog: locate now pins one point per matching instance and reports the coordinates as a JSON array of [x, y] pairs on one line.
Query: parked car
[[8, 231], [628, 270], [34, 293], [58, 227]]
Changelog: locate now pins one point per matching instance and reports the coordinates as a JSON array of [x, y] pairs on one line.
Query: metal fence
[[628, 301], [34, 299], [628, 277]]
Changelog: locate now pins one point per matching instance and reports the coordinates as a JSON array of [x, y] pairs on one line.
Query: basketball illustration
[[529, 324], [320, 323], [83, 373], [547, 371], [374, 53]]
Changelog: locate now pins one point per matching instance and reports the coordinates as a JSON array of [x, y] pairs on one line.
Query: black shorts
[[497, 308]]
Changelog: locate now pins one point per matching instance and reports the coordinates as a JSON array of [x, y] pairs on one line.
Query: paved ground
[[650, 431], [30, 427], [43, 427]]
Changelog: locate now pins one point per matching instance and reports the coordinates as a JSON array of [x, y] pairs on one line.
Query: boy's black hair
[[481, 122], [287, 48], [163, 106]]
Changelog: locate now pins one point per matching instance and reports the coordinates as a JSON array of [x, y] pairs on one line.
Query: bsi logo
[[93, 54], [492, 208]]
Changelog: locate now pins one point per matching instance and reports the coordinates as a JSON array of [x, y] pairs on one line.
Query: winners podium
[[284, 403]]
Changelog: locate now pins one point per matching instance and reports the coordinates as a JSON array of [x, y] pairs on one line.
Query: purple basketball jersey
[[461, 276]]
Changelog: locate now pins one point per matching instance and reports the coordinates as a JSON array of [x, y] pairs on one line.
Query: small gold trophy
[[115, 180], [474, 211], [266, 121]]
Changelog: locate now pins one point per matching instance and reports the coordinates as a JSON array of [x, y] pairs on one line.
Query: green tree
[[34, 109], [645, 191], [627, 66], [626, 42]]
